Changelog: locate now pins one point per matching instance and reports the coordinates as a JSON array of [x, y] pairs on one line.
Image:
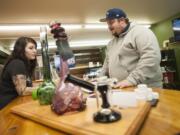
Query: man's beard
[[116, 34]]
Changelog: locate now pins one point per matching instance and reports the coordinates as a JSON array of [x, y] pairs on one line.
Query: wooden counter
[[164, 119]]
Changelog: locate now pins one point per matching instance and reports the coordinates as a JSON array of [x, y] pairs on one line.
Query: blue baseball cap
[[114, 13]]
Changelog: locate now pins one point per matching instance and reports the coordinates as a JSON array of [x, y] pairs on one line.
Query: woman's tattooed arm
[[20, 84]]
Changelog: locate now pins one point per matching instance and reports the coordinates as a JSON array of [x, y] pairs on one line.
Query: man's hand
[[123, 84]]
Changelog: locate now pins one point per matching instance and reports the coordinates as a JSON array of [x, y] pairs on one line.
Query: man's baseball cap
[[113, 13]]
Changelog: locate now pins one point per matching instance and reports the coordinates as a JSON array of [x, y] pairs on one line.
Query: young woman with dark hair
[[16, 76]]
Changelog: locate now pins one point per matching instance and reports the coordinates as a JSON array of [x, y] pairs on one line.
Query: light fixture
[[18, 27], [90, 43], [95, 26], [176, 28], [146, 25], [34, 27], [105, 26], [72, 26], [73, 44]]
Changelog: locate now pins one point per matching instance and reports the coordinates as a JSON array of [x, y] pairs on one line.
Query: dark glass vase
[[46, 90]]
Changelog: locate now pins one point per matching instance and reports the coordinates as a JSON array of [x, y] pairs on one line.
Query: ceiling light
[[80, 43], [95, 26], [89, 43], [145, 25], [73, 44], [176, 28], [72, 26], [34, 27], [19, 27]]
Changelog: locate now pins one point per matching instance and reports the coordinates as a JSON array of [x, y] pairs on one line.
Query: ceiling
[[80, 12]]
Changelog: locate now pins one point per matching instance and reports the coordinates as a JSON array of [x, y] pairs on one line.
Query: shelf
[[168, 61], [173, 43], [3, 52], [174, 85], [85, 67]]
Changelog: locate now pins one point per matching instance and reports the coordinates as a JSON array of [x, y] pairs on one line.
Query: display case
[[169, 69], [88, 60], [3, 55]]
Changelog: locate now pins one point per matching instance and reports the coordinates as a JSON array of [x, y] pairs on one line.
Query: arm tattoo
[[20, 83]]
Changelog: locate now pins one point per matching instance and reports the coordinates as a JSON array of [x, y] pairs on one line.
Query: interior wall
[[163, 30]]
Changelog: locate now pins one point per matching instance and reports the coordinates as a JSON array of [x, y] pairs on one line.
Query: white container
[[142, 92], [91, 64]]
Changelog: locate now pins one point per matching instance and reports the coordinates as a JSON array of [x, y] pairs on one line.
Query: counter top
[[163, 119]]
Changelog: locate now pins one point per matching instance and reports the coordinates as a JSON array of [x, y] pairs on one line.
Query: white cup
[[91, 64]]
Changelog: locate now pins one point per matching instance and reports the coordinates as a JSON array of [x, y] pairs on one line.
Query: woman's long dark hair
[[19, 53]]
